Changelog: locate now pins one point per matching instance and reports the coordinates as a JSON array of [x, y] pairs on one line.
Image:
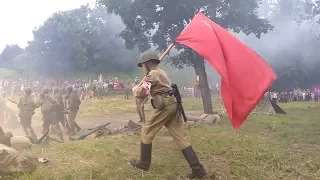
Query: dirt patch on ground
[[116, 121]]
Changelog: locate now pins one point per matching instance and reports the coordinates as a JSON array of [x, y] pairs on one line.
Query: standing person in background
[[99, 89], [127, 90], [100, 78], [136, 81]]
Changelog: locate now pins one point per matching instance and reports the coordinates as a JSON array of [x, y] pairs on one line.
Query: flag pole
[[167, 51], [160, 58]]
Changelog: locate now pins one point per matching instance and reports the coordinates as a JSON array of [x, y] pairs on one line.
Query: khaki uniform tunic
[[160, 84]]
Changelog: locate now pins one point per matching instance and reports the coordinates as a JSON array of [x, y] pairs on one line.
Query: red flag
[[245, 75]]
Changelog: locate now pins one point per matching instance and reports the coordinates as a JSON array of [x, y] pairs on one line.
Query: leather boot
[[197, 169], [145, 157]]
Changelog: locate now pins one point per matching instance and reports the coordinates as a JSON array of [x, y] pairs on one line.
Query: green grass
[[8, 73], [264, 148], [118, 105]]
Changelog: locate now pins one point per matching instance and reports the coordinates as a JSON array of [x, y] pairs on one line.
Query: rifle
[[46, 137], [175, 92], [88, 134], [14, 102], [42, 137]]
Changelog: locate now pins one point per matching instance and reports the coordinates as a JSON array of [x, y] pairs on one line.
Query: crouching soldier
[[158, 85]]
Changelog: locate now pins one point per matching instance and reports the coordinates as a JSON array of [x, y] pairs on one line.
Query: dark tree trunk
[[200, 70]]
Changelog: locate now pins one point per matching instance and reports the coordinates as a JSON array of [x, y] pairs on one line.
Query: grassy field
[[264, 148], [117, 105]]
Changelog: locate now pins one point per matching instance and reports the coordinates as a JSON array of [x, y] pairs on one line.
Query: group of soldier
[[54, 108]]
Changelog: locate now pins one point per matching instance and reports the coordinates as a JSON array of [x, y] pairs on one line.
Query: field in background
[[264, 148], [118, 105]]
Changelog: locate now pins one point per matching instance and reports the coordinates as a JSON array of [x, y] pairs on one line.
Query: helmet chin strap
[[147, 67]]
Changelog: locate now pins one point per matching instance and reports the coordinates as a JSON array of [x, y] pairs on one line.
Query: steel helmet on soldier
[[147, 56], [27, 90]]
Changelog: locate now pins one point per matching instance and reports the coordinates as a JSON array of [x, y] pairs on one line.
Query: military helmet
[[69, 89], [27, 90], [147, 56]]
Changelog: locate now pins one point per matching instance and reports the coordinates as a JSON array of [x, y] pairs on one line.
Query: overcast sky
[[19, 17]]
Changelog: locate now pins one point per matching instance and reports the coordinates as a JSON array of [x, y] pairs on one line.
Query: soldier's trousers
[[50, 119], [167, 118], [71, 119], [25, 121], [61, 119]]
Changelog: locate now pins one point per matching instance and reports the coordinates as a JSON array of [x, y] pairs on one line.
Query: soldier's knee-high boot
[[197, 169], [145, 157]]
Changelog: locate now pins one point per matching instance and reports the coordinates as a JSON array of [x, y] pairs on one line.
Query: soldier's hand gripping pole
[[175, 92]]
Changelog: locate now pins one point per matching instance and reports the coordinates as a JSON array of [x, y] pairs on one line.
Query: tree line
[[78, 40]]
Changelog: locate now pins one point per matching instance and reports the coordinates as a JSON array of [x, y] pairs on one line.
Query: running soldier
[[73, 102], [48, 109], [158, 85], [26, 106], [60, 115]]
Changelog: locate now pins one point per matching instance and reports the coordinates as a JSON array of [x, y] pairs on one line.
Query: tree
[[23, 64], [8, 54], [78, 40], [158, 23]]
